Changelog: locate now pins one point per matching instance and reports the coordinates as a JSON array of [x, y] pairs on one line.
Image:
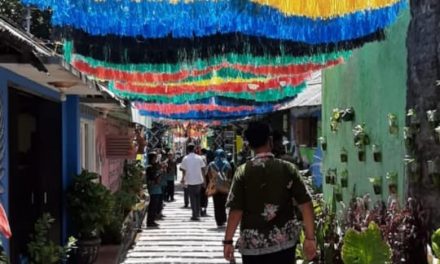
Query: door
[[35, 166]]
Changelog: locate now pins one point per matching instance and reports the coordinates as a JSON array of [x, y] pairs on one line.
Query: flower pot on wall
[[348, 114], [377, 154], [344, 179], [377, 189], [344, 155], [323, 143], [361, 155], [393, 127]]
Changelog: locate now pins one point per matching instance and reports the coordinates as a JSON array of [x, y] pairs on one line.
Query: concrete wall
[[110, 168], [423, 95], [373, 81]]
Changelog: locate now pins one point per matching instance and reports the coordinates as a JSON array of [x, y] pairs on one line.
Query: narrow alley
[[180, 240]]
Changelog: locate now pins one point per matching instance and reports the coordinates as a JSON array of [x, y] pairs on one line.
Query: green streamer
[[231, 58], [272, 95]]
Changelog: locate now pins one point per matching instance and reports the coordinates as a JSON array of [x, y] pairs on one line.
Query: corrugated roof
[[311, 96]]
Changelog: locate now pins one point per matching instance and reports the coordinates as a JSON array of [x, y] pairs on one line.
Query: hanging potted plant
[[348, 114], [433, 167], [393, 127], [338, 194], [377, 184], [437, 134], [392, 182], [344, 155], [377, 154], [361, 139], [433, 118], [90, 205], [414, 120], [330, 177], [323, 143], [412, 168], [344, 178], [335, 119], [409, 136]]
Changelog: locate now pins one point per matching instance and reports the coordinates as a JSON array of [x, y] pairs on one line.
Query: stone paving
[[180, 240]]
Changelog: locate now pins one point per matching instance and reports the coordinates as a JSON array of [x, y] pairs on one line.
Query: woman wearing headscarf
[[220, 177]]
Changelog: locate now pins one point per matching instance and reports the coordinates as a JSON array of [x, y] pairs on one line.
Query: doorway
[[35, 156]]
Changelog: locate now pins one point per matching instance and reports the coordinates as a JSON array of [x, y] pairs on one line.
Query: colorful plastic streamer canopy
[[209, 60]]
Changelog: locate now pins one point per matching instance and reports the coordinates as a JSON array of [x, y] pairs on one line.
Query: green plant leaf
[[436, 243], [365, 247]]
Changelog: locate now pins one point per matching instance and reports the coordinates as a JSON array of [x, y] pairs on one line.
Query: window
[[88, 160]]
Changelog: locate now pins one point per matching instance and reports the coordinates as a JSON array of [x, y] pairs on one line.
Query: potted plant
[[344, 155], [323, 143], [393, 127], [412, 168], [348, 114], [344, 179], [338, 194], [433, 118], [437, 134], [392, 182], [335, 119], [414, 121], [361, 139], [377, 184], [41, 249], [90, 205], [330, 177], [377, 154], [433, 167], [435, 246], [409, 136]]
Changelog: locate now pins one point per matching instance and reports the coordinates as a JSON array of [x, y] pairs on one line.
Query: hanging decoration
[[159, 19], [213, 61]]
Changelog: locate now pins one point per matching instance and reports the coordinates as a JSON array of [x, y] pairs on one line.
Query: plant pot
[[348, 114], [328, 179], [87, 251], [377, 189], [392, 188], [338, 197], [344, 157], [377, 156], [324, 146], [344, 182], [361, 155]]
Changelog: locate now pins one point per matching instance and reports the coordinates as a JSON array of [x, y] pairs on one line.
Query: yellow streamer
[[324, 8]]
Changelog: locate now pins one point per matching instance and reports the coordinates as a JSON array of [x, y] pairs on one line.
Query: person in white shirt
[[193, 168]]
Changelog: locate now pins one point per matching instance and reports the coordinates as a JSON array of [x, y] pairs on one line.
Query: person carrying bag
[[219, 172]]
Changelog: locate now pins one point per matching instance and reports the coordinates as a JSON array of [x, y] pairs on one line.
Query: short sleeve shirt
[[193, 165], [266, 190]]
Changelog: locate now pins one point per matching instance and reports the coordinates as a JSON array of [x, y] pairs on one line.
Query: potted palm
[[90, 205]]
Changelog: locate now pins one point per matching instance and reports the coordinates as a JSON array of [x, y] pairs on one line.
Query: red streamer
[[274, 83], [184, 108]]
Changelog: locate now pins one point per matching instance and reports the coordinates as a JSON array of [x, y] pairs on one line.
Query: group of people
[[203, 178], [266, 197], [161, 174]]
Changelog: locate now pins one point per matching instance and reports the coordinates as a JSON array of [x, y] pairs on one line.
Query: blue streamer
[[205, 18]]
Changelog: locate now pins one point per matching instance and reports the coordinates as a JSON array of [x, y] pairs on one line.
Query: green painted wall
[[374, 82]]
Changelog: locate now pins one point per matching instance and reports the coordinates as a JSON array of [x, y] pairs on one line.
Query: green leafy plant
[[41, 249], [360, 137], [366, 247], [91, 205], [435, 242], [335, 119]]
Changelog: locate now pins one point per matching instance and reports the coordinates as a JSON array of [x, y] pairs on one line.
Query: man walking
[[263, 194], [193, 169]]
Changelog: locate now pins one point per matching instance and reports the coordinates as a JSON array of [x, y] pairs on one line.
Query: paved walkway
[[179, 240]]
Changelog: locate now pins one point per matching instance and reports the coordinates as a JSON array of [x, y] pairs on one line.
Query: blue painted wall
[[71, 151], [70, 136]]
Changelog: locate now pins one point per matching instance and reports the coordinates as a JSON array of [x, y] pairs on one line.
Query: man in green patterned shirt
[[262, 200]]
